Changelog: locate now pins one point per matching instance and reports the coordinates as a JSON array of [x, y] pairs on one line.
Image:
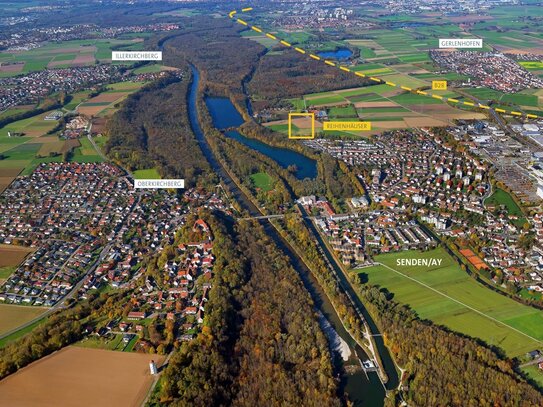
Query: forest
[[443, 368], [289, 75], [151, 130], [261, 343]]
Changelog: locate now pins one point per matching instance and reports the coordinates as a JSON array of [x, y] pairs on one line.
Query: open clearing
[[12, 316], [448, 296], [151, 173], [262, 180], [81, 377]]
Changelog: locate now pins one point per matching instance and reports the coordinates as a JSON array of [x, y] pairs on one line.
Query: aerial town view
[[271, 203]]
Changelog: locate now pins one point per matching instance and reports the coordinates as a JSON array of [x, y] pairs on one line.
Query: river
[[362, 390]]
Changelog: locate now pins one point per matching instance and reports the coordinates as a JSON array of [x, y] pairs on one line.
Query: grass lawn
[[262, 180], [535, 373], [150, 173], [6, 271], [448, 296], [500, 197], [94, 342], [130, 345]]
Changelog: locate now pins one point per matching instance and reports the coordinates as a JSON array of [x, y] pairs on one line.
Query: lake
[[225, 115], [339, 54]]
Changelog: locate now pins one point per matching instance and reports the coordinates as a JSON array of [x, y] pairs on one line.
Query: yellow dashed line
[[360, 74]]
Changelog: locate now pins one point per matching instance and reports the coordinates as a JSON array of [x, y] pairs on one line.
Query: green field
[[500, 197], [94, 342], [150, 68], [535, 65], [448, 296], [6, 271], [150, 173], [263, 181], [534, 373]]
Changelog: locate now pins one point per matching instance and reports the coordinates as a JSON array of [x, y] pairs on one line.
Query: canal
[[362, 390]]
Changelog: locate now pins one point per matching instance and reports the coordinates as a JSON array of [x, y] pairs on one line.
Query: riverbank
[[366, 391]]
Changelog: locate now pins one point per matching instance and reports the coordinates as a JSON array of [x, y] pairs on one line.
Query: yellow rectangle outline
[[311, 115], [439, 85], [364, 126]]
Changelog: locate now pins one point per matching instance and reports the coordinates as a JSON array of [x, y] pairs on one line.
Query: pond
[[338, 54]]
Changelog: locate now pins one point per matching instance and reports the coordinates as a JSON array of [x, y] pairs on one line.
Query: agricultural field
[[13, 316], [448, 296], [106, 103], [384, 106], [7, 175], [13, 255], [37, 140], [65, 54], [86, 153], [104, 378]]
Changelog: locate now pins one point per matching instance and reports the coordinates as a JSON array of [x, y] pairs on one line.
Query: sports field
[[448, 296], [81, 377]]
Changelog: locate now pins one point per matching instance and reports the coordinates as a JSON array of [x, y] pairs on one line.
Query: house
[[136, 315]]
